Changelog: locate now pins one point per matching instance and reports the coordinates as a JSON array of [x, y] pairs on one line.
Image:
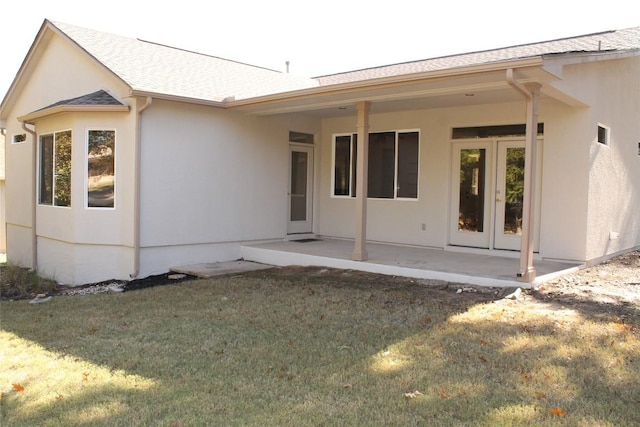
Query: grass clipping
[[317, 347]]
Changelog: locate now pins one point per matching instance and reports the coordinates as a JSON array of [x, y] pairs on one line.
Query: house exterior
[[126, 158], [3, 232]]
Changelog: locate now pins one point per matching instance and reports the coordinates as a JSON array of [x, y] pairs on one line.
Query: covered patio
[[407, 261]]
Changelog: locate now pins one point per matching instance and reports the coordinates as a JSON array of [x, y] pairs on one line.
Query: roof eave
[[45, 112], [386, 81], [177, 98]]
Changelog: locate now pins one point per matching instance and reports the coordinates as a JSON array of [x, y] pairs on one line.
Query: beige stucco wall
[[211, 179], [564, 193], [68, 237], [3, 229], [614, 179]]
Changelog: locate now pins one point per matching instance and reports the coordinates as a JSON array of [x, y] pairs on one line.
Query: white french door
[[487, 190], [300, 189]]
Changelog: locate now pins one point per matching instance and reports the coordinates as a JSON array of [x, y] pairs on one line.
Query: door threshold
[[491, 252], [300, 236]]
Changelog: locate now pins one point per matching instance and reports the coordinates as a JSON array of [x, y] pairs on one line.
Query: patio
[[407, 261]]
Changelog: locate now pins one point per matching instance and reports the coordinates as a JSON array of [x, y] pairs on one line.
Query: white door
[[471, 194], [300, 189], [509, 193], [488, 183]]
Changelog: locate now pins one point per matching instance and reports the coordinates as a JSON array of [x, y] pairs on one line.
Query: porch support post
[[360, 249], [527, 272]]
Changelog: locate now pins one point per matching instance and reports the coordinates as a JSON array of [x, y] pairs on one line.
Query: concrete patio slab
[[215, 269], [420, 263]]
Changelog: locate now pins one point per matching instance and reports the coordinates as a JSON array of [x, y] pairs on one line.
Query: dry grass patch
[[316, 347]]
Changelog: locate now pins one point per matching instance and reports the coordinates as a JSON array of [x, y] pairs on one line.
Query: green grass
[[314, 349]]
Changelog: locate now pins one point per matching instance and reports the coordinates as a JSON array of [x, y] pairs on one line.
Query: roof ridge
[[206, 54]]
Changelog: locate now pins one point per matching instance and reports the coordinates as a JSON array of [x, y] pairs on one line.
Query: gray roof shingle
[[100, 97], [156, 68], [604, 41]]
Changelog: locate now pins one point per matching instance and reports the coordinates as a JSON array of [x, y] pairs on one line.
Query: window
[[300, 138], [603, 134], [19, 138], [101, 150], [493, 131], [393, 165], [55, 169], [343, 166]]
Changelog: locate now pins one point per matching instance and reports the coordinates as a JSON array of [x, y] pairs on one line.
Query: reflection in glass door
[[471, 181], [472, 190], [509, 194]]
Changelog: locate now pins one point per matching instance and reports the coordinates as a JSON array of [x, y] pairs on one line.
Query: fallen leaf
[[412, 395], [59, 397], [541, 395], [426, 320], [346, 386], [483, 360], [17, 387], [557, 411], [443, 394], [85, 376]]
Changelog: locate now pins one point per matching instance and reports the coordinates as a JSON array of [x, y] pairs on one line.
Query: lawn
[[310, 347]]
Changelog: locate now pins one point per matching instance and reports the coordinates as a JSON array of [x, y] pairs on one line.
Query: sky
[[317, 38]]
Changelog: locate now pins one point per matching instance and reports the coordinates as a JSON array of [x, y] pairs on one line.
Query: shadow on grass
[[323, 347]]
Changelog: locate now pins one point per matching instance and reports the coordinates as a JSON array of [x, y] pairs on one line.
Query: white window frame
[[86, 169], [39, 169], [351, 151]]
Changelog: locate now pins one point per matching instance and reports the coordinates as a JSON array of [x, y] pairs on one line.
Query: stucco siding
[[74, 74], [565, 164], [562, 217], [3, 222], [210, 178], [614, 190]]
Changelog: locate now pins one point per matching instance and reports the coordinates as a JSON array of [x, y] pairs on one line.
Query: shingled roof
[[155, 68], [626, 39], [100, 97], [151, 68]]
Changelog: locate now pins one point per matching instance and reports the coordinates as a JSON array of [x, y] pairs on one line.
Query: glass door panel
[[300, 189], [513, 191], [472, 190], [298, 209], [471, 210], [510, 193]]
